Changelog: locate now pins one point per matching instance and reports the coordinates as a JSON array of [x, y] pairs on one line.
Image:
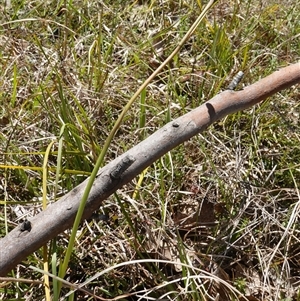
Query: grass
[[214, 218]]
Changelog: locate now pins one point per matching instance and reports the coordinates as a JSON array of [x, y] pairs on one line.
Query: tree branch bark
[[18, 244]]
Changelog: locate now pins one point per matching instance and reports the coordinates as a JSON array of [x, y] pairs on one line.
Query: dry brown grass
[[224, 205]]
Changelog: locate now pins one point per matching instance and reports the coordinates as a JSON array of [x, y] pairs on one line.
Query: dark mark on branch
[[120, 168], [25, 226]]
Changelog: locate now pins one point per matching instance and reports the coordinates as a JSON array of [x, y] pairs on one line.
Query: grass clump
[[217, 217]]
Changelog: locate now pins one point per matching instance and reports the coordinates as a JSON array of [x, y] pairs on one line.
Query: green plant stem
[[107, 143]]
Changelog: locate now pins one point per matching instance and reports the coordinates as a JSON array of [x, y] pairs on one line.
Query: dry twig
[[18, 244]]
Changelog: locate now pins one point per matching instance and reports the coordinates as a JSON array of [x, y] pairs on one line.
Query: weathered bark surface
[[17, 245]]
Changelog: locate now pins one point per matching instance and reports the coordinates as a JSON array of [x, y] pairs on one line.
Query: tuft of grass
[[217, 217]]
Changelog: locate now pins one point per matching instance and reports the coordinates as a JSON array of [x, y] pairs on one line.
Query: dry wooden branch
[[19, 243]]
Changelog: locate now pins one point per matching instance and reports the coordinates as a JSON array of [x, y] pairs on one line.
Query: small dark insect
[[25, 226]]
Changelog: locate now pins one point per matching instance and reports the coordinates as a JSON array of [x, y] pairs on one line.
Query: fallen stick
[[59, 216]]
